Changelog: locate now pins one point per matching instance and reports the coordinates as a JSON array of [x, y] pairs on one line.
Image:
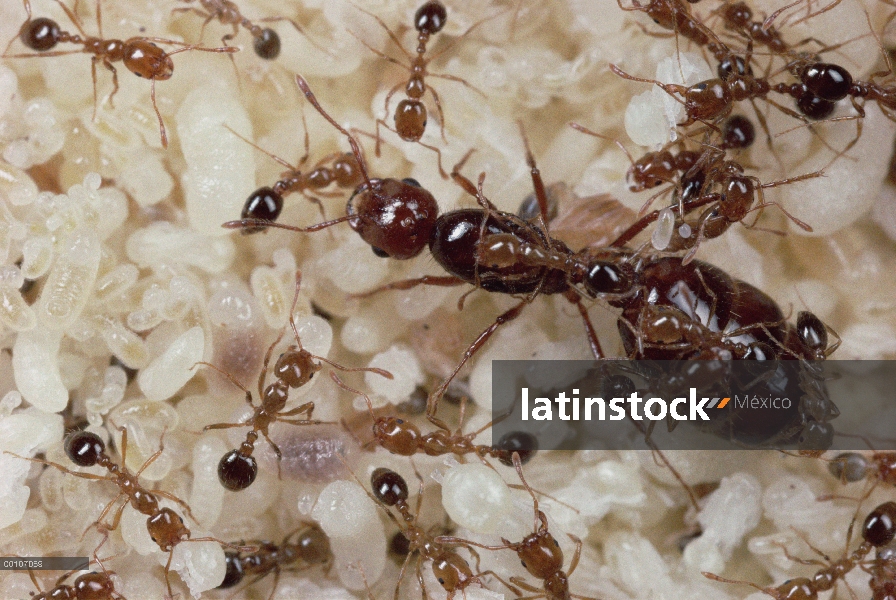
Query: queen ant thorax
[[396, 217], [266, 202], [303, 548], [293, 369], [165, 526], [539, 552], [140, 55]]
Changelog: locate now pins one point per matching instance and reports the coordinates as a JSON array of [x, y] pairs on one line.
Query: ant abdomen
[[394, 216], [236, 471], [267, 44], [431, 17], [40, 34], [264, 204], [389, 487], [827, 81]]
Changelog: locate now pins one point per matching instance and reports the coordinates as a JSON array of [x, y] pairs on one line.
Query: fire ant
[[451, 571], [310, 548], [403, 438], [140, 55], [396, 217], [89, 586], [411, 114], [293, 369], [165, 527], [878, 531], [266, 41], [539, 553], [266, 203]]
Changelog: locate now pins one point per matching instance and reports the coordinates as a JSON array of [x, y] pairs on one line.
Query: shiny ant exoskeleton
[[396, 217], [266, 202], [140, 55], [265, 41], [293, 369], [878, 531], [165, 526], [309, 548], [403, 438], [539, 552], [89, 586]]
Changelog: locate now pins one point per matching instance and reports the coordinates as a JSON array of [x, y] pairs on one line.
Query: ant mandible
[[140, 55], [293, 369]]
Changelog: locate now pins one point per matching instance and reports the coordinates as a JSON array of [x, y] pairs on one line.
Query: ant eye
[[522, 562], [556, 543], [410, 181], [441, 581], [380, 253]]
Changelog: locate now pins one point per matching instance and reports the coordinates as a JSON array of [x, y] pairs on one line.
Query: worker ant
[[140, 55]]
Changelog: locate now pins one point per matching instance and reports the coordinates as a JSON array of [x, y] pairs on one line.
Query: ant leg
[[299, 29], [275, 447], [61, 468], [391, 34], [596, 350], [279, 160], [93, 60], [111, 96], [406, 284], [307, 407], [438, 101], [510, 315], [174, 498], [527, 587], [162, 133], [575, 555]]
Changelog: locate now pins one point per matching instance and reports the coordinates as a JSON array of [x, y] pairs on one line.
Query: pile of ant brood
[[154, 282]]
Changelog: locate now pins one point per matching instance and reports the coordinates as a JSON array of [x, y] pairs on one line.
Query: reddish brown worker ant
[[411, 114], [266, 203], [403, 438], [878, 531], [89, 586], [539, 553], [310, 547], [165, 527], [395, 217], [140, 55], [451, 571], [293, 369], [266, 41]]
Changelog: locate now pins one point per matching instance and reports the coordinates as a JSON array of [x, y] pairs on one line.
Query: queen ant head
[[395, 217]]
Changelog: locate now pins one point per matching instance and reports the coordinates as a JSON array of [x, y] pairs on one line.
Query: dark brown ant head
[[396, 435], [606, 277], [759, 351], [651, 170], [816, 436], [523, 443], [452, 572], [410, 120], [267, 44], [40, 34], [431, 17], [827, 81], [849, 467], [813, 107], [236, 471], [737, 14], [540, 554], [84, 448], [93, 586], [388, 486], [880, 525], [812, 333], [733, 66], [144, 59], [234, 573], [296, 367], [738, 133], [314, 546], [264, 203], [167, 529], [617, 386], [395, 217]]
